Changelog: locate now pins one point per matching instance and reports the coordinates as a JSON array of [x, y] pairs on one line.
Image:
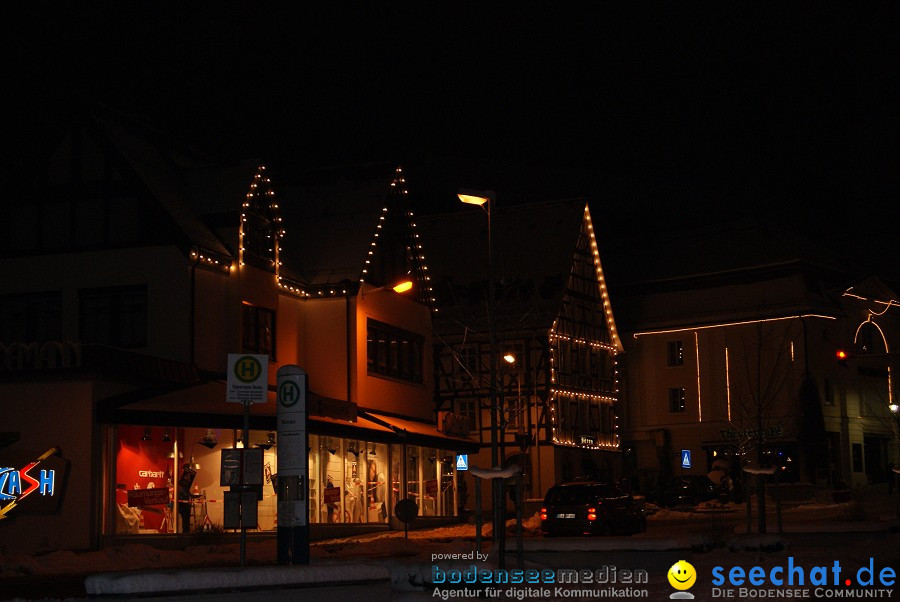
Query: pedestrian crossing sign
[[462, 461], [685, 458]]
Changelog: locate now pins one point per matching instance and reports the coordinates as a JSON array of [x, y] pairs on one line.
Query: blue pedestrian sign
[[462, 461], [685, 458]]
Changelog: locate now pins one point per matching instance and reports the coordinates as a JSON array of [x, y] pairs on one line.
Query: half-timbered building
[[555, 344]]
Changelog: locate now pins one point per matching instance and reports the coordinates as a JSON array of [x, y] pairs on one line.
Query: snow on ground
[[409, 559]]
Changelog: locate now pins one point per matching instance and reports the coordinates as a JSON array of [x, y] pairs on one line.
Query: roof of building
[[719, 273], [533, 247]]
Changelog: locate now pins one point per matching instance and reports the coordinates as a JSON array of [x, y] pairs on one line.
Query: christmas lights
[[558, 393], [725, 324], [416, 256]]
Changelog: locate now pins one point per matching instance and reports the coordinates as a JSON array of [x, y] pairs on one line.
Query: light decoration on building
[[601, 281], [211, 259], [558, 394], [596, 344], [260, 200], [415, 250], [728, 384], [871, 313], [699, 404], [726, 324]]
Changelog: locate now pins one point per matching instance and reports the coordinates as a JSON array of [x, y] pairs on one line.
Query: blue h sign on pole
[[685, 458]]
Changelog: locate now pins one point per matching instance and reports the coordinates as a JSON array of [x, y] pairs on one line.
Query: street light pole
[[485, 199]]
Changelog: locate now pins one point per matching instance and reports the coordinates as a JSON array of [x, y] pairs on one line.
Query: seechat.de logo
[[682, 577]]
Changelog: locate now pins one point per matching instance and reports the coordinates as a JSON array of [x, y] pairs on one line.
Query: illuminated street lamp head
[[475, 197], [894, 408], [403, 286], [510, 358]]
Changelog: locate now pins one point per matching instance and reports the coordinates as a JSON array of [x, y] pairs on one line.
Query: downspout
[[194, 306], [349, 349]]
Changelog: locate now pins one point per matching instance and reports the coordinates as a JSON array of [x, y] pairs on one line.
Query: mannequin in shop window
[[330, 500], [185, 497], [375, 495]]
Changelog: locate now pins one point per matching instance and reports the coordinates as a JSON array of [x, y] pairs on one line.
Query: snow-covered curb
[[234, 578], [610, 544]]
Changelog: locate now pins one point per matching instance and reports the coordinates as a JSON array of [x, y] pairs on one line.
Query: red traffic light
[[841, 354]]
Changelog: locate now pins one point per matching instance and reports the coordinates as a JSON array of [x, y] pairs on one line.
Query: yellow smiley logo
[[682, 575]]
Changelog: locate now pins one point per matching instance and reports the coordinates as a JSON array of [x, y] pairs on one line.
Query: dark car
[[592, 509], [686, 490]]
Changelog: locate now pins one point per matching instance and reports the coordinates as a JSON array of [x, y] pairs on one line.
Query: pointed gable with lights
[[396, 253], [350, 227], [583, 347], [261, 226]]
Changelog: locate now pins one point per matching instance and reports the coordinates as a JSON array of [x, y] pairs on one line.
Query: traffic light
[[842, 357]]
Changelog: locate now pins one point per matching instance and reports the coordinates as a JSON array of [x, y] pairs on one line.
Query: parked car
[[590, 508], [685, 490]]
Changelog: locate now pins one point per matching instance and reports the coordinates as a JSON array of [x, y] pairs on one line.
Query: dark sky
[[658, 109]]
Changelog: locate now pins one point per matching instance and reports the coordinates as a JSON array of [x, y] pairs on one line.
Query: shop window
[[414, 475], [677, 400], [354, 482], [396, 483], [157, 492], [258, 330], [31, 317], [431, 485], [393, 352], [114, 316], [675, 353]]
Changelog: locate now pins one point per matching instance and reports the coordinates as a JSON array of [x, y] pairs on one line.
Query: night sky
[[662, 111]]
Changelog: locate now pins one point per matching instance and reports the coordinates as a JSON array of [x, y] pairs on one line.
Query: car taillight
[[543, 514], [592, 514]]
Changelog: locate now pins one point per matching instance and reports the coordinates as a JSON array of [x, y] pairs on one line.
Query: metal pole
[[293, 466], [519, 555], [478, 514], [496, 485], [246, 440]]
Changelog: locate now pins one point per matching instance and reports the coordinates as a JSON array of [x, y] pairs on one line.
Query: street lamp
[[400, 286], [486, 199]]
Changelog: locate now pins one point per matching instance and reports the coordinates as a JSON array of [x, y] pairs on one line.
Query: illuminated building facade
[[131, 267], [731, 348], [556, 340]]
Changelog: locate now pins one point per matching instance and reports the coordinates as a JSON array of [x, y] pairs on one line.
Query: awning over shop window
[[421, 433], [203, 405]]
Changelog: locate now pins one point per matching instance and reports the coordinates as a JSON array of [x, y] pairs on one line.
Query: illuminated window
[[30, 318], [674, 353], [393, 352], [258, 330], [114, 316], [676, 400]]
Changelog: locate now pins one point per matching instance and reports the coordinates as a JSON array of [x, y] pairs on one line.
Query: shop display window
[[167, 479], [431, 480]]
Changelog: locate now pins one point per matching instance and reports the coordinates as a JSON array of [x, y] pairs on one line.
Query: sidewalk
[[62, 574]]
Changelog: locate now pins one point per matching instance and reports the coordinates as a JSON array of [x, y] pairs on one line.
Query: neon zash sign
[[16, 485]]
